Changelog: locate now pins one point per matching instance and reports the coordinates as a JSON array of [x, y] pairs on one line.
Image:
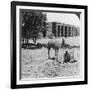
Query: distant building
[[62, 30]]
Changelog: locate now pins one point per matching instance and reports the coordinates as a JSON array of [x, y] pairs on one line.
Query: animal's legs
[[56, 54], [48, 53]]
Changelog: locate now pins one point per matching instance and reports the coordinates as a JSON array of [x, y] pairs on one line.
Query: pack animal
[[55, 45]]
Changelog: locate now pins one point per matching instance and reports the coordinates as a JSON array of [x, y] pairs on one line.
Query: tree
[[32, 23]]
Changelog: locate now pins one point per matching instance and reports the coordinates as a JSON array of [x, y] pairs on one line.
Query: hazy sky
[[67, 18]]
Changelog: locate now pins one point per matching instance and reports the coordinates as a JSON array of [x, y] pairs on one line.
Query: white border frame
[[61, 79]]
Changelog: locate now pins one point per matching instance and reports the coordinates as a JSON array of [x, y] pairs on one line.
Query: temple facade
[[62, 30]]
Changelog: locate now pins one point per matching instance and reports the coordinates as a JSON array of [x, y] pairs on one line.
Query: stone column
[[56, 30], [65, 34], [71, 31], [74, 32], [63, 30], [67, 30], [60, 29]]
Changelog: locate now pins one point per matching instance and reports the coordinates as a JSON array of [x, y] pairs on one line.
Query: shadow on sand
[[32, 46]]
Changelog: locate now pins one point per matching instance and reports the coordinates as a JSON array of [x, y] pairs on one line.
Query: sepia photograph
[[50, 45]]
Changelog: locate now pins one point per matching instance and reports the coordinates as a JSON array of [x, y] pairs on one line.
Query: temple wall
[[63, 30]]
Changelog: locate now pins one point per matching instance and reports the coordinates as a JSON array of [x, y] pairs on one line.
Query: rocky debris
[[49, 69], [35, 63]]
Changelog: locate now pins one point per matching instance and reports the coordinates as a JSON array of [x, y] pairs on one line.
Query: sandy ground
[[35, 63]]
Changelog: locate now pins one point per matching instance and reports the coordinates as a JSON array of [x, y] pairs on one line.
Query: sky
[[67, 18]]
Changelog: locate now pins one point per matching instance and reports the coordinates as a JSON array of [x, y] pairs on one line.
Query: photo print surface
[[50, 45]]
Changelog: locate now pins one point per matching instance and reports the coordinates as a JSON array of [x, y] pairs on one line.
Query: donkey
[[55, 45]]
